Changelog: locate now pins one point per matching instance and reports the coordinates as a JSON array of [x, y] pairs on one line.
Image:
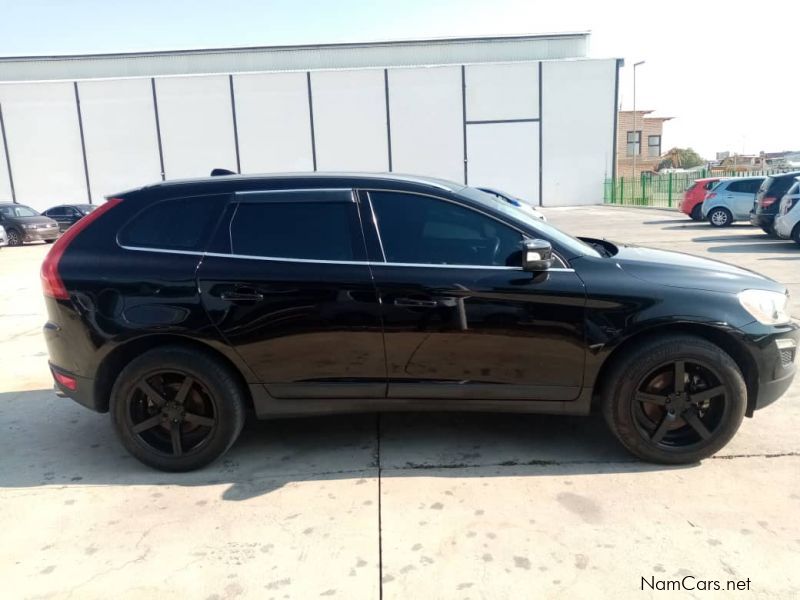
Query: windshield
[[547, 230], [18, 211]]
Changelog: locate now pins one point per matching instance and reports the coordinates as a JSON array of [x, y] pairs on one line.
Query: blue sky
[[706, 62]]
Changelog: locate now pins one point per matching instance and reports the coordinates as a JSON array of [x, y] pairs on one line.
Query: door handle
[[242, 295], [411, 302]]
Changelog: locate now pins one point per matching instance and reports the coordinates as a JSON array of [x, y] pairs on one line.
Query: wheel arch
[[719, 337], [120, 356]]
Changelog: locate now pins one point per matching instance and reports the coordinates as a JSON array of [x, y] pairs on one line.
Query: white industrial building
[[529, 114]]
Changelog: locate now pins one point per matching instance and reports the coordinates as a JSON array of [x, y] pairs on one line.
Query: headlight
[[29, 226], [768, 308]]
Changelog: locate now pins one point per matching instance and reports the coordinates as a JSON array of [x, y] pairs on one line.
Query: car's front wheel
[[720, 217], [177, 409], [14, 237], [674, 399]]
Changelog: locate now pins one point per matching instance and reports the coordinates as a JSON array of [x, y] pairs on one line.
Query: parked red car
[[694, 195]]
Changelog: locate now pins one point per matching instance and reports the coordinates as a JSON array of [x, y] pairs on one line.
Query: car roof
[[354, 179]]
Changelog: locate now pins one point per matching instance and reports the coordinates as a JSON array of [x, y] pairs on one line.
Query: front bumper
[[40, 235], [774, 350]]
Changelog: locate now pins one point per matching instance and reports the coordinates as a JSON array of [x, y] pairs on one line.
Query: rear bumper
[[763, 220], [83, 393]]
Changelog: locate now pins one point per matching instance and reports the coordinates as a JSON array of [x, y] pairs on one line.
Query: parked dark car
[[768, 198], [181, 305], [66, 215], [24, 224]]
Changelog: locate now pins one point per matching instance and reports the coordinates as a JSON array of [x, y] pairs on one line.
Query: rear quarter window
[[174, 224]]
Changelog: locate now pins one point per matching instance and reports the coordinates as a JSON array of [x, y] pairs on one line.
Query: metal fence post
[[669, 190], [622, 190]]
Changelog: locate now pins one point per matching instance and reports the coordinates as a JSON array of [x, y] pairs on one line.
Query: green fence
[[665, 190]]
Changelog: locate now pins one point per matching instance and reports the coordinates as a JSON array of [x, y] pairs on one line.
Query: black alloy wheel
[[14, 238]]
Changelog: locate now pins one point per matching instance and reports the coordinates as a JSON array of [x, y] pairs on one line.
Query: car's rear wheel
[[720, 217], [49, 241], [770, 231], [177, 409], [14, 237], [674, 399], [697, 213], [796, 234]]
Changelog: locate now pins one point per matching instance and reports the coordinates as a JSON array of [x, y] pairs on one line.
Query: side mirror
[[537, 255]]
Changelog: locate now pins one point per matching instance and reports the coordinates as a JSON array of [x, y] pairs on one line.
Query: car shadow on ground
[[755, 248], [51, 441]]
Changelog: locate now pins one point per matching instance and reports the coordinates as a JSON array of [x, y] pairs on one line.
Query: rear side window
[[315, 225], [780, 186], [744, 186], [175, 224]]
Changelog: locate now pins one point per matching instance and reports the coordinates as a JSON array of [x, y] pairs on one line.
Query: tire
[[49, 241], [208, 415], [14, 237], [637, 423], [770, 231], [796, 234], [720, 217], [697, 213]]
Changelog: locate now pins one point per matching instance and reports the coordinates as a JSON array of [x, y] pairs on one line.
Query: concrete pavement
[[396, 506]]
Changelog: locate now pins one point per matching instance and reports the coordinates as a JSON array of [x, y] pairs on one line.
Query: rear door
[[739, 195], [287, 283]]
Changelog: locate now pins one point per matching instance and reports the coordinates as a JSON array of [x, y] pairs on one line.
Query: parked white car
[[516, 201], [3, 237], [787, 221]]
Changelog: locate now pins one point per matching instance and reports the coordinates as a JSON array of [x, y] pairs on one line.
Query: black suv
[[179, 306], [24, 224], [768, 199]]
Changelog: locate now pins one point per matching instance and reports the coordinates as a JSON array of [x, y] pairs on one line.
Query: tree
[[680, 158]]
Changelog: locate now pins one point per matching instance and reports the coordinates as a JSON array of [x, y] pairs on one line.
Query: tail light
[[710, 195], [68, 382], [52, 285], [767, 201]]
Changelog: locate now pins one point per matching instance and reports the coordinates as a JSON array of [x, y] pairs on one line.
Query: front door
[[461, 318], [287, 284]]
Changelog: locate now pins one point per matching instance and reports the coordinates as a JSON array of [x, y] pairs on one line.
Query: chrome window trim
[[332, 262]]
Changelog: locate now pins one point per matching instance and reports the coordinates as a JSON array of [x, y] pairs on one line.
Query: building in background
[[639, 143], [529, 114]]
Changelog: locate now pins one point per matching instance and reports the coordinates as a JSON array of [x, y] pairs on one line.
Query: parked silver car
[[787, 221], [730, 200]]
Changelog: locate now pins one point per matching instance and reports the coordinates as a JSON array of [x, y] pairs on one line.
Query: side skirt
[[267, 407]]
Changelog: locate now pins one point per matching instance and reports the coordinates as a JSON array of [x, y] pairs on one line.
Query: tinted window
[[295, 227], [58, 211], [177, 224], [710, 184], [780, 186], [418, 229]]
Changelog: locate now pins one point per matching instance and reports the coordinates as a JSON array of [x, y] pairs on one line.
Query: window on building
[[653, 146], [634, 143]]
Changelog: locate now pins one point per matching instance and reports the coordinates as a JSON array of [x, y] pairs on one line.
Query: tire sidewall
[[227, 398], [619, 401], [723, 211]]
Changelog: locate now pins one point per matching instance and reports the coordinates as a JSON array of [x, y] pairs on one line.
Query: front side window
[[175, 224], [634, 143], [315, 225], [653, 146], [423, 230]]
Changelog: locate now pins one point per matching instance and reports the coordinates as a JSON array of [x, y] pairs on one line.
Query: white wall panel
[[505, 156], [577, 130], [350, 120], [425, 107], [119, 128], [502, 91], [44, 143], [5, 182], [273, 122], [196, 125]]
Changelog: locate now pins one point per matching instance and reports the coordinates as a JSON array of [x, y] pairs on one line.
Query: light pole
[[633, 173]]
